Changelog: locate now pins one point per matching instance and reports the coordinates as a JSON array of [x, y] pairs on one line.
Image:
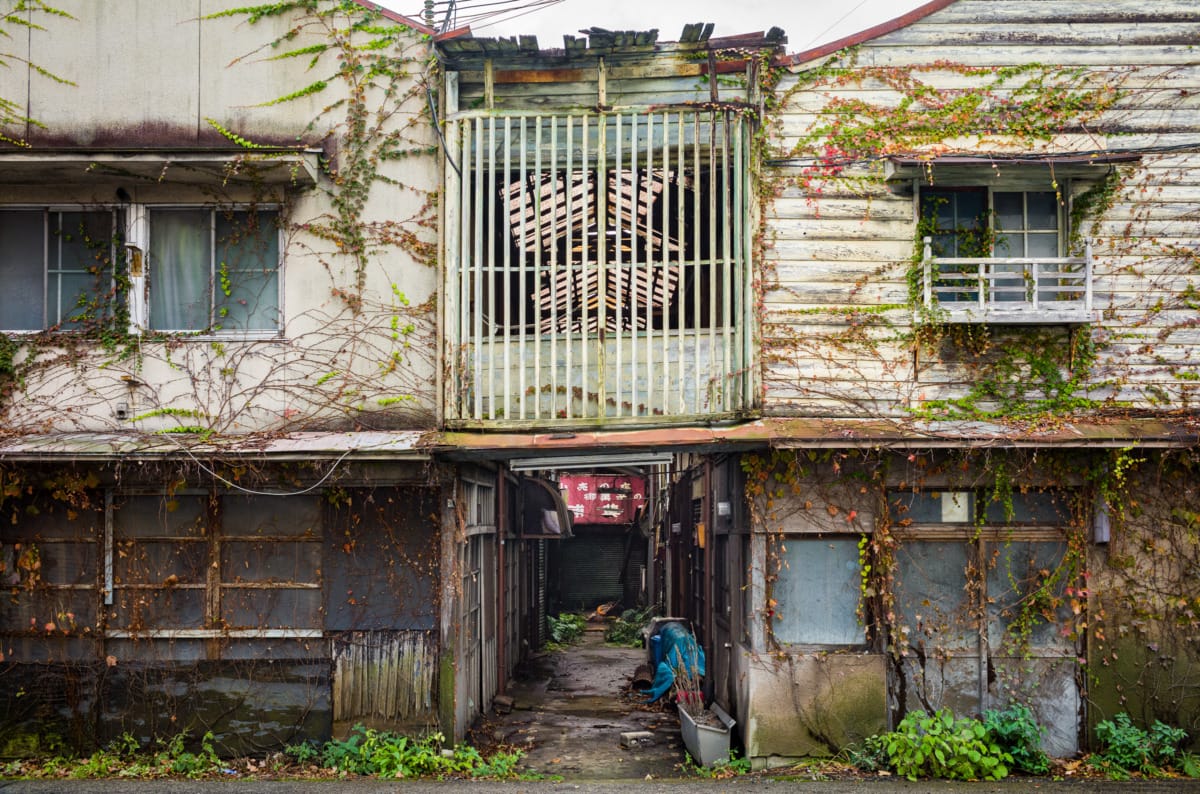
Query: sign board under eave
[[603, 498]]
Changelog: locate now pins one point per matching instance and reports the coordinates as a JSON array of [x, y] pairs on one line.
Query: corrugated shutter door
[[590, 571]]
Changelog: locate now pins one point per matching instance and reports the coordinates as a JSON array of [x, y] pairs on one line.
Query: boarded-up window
[[980, 614], [199, 565], [48, 574], [817, 591]]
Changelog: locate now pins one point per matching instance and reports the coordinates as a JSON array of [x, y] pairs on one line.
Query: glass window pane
[[270, 561], [1034, 507], [1017, 588], [1009, 245], [181, 516], [180, 270], [939, 205], [167, 562], [22, 255], [931, 595], [817, 591], [1009, 211], [247, 294], [79, 268], [1042, 210], [245, 515], [970, 207], [70, 298], [1043, 244], [933, 507]]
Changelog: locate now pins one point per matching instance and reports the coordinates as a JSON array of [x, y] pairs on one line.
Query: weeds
[[1125, 748], [942, 746], [364, 752], [1019, 734]]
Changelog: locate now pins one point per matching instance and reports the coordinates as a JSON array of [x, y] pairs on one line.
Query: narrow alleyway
[[570, 709]]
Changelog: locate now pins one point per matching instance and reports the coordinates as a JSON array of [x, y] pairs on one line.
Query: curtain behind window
[[22, 254], [180, 270]]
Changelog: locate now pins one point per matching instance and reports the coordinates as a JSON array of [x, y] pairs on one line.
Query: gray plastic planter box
[[708, 745]]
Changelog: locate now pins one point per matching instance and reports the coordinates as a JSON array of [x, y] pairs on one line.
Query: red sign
[[603, 498]]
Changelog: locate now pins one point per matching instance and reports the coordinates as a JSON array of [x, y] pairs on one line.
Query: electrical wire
[[208, 470]]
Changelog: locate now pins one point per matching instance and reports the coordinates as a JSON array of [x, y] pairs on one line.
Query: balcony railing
[[1011, 290]]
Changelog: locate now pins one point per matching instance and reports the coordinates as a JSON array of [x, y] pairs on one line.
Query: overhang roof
[[786, 433], [374, 445], [192, 166], [779, 432], [863, 36]]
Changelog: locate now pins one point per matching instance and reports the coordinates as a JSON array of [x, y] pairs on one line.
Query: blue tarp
[[674, 647]]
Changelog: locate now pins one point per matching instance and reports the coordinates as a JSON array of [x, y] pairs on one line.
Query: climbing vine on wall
[[361, 356], [837, 125]]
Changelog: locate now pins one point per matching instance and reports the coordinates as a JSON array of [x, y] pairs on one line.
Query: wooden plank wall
[[832, 260]]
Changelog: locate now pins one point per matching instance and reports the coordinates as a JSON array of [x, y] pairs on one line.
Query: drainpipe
[[502, 580]]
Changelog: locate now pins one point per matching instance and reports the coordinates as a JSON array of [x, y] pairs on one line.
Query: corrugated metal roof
[[781, 432], [832, 433], [395, 445]]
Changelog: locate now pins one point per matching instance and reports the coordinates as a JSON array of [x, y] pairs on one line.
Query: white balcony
[[1008, 291]]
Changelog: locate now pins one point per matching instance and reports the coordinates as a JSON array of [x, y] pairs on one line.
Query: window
[[997, 256], [214, 270], [976, 222], [57, 265], [817, 591]]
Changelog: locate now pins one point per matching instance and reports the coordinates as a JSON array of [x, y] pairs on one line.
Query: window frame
[[118, 226], [145, 316], [864, 629], [990, 229]]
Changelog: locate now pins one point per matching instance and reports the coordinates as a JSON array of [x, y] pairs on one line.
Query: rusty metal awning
[[374, 445], [193, 167], [785, 433]]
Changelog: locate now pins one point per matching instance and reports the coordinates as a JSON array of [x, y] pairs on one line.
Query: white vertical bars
[[579, 282]]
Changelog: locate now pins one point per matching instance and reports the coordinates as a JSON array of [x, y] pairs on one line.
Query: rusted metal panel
[[385, 675]]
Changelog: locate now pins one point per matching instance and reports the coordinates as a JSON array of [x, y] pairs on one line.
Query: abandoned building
[[338, 350]]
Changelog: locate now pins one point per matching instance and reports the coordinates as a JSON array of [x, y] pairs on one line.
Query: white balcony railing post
[[1087, 275], [1036, 276], [927, 263], [983, 296]]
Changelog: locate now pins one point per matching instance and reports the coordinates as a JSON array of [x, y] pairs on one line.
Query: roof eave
[[864, 36]]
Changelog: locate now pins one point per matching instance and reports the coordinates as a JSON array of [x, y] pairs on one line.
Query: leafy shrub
[[1016, 731], [1125, 748], [303, 753], [945, 747], [566, 628]]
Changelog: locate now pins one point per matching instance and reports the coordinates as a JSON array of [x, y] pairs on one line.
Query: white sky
[[807, 22]]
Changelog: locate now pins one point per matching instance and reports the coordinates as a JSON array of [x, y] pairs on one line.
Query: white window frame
[[141, 276]]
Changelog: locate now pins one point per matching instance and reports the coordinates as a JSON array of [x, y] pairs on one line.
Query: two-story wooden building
[[309, 309]]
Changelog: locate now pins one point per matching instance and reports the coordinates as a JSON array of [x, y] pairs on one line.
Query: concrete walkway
[[570, 709]]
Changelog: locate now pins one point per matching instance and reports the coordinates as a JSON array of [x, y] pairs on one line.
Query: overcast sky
[[807, 22]]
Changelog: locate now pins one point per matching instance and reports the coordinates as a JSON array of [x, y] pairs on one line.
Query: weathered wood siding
[[835, 297]]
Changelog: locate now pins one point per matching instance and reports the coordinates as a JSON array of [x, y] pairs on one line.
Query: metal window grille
[[598, 265]]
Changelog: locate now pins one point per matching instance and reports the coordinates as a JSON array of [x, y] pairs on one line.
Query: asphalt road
[[879, 786]]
